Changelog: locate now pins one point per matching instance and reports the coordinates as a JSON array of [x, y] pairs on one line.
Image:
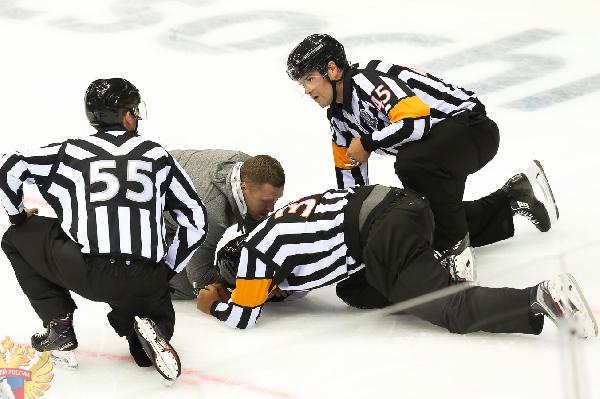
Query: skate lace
[[40, 335], [527, 214]]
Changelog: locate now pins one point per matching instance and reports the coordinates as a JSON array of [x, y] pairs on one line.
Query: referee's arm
[[19, 168], [409, 116], [252, 287], [189, 212]]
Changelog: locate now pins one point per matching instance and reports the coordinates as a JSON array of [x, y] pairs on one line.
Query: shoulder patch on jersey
[[369, 119]]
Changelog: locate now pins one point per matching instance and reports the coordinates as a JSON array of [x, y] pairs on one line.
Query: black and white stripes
[[299, 247], [388, 105], [109, 191]]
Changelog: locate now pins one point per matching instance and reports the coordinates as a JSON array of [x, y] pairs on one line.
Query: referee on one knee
[[107, 243]]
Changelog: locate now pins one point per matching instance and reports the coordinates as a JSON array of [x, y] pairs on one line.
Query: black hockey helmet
[[228, 259], [107, 99], [314, 52]]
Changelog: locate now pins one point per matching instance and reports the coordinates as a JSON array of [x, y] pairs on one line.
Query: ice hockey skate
[[59, 340], [161, 353], [459, 261], [137, 350], [562, 301], [520, 190]]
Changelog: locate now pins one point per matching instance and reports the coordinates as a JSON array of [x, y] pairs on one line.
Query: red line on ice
[[190, 376]]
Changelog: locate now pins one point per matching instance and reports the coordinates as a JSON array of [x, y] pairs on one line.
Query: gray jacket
[[210, 171]]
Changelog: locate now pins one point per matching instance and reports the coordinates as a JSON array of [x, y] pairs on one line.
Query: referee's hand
[[210, 294], [357, 152], [28, 212]]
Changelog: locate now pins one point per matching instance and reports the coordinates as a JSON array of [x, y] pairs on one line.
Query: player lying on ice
[[385, 233]]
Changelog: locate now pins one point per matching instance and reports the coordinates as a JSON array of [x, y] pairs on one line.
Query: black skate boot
[[161, 353], [561, 300], [59, 340], [459, 261], [523, 202], [59, 335], [137, 351]]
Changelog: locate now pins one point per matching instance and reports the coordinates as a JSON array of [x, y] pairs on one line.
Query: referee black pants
[[438, 166], [48, 264], [400, 265]]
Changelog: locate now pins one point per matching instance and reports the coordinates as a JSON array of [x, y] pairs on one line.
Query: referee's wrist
[[368, 143], [213, 308]]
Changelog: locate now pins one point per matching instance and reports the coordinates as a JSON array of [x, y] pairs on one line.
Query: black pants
[[48, 264], [437, 167], [400, 265]]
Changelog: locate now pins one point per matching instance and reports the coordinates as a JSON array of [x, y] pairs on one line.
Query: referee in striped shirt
[[107, 244], [438, 132], [385, 234]]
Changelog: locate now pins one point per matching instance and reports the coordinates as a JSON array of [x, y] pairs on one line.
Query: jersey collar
[[347, 102]]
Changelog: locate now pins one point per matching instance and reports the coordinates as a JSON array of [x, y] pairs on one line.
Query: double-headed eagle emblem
[[24, 362]]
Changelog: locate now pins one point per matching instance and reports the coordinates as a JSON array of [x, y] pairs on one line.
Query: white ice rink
[[213, 76]]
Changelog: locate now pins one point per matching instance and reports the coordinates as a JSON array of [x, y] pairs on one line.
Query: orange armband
[[409, 107], [341, 160], [251, 293]]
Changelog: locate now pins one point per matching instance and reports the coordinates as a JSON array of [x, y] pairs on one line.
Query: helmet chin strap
[[333, 86]]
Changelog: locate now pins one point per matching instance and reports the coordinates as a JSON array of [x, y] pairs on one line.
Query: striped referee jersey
[[387, 105], [109, 191], [299, 247]]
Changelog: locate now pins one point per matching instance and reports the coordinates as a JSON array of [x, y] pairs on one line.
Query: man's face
[[317, 87], [260, 199]]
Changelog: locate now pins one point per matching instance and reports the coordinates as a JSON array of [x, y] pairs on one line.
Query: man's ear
[[243, 185], [333, 71], [128, 121]]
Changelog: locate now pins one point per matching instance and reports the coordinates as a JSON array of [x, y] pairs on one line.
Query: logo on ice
[[24, 372]]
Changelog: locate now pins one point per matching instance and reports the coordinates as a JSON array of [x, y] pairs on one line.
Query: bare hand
[[277, 293], [357, 152], [210, 294], [224, 293], [31, 211]]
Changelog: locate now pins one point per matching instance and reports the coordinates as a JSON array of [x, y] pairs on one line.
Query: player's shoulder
[[208, 156], [369, 74], [379, 68], [154, 151], [370, 67]]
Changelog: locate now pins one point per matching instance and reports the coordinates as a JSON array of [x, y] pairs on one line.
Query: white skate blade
[[64, 359], [166, 360], [583, 316], [535, 174]]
